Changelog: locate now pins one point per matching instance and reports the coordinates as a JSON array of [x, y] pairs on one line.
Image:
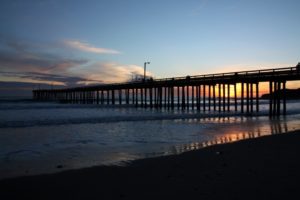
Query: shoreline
[[259, 168]]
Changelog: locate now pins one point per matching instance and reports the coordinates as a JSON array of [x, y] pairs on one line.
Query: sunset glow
[[108, 42]]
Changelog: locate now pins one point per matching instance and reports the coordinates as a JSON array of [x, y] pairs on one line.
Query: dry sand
[[261, 168]]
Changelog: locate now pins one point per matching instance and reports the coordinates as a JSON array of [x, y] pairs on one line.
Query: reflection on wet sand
[[275, 126]]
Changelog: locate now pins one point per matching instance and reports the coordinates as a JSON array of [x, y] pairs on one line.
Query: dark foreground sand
[[262, 168]]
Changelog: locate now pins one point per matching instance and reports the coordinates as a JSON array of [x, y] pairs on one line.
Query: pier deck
[[202, 92]]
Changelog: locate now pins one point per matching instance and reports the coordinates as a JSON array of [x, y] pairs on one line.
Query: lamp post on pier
[[145, 63]]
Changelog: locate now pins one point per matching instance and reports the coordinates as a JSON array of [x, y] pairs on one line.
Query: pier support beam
[[142, 97], [204, 99], [178, 97], [151, 97], [136, 97], [242, 97], [102, 97], [247, 97], [228, 97], [235, 98], [224, 94], [270, 98], [183, 98], [187, 97], [145, 98], [214, 96], [284, 97], [257, 97], [198, 97], [251, 97], [113, 97], [120, 97], [193, 97], [209, 96], [172, 97], [278, 98], [275, 93], [132, 96], [220, 98]]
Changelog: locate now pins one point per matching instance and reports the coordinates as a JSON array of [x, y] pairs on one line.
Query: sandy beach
[[260, 168]]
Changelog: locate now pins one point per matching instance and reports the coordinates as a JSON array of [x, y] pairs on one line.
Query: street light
[[145, 63]]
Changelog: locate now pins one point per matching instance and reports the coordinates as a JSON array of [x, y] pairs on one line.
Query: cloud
[[110, 72], [14, 61], [50, 79], [20, 56], [83, 46], [25, 61]]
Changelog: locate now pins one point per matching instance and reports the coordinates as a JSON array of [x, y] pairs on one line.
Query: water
[[40, 138]]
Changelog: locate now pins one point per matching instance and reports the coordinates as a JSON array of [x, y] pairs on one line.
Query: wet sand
[[260, 168]]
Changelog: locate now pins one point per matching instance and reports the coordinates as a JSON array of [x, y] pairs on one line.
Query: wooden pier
[[223, 92]]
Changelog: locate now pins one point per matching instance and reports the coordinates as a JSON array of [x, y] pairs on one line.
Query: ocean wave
[[33, 105], [112, 119]]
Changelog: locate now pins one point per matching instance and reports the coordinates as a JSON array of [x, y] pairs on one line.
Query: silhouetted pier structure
[[223, 92]]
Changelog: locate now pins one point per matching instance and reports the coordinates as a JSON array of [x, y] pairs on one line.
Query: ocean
[[47, 137]]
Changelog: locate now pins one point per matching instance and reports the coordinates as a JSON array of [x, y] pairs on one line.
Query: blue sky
[[67, 42]]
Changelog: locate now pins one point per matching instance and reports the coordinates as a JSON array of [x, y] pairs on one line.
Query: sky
[[67, 43]]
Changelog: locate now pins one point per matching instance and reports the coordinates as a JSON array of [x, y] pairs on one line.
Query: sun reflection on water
[[274, 127]]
